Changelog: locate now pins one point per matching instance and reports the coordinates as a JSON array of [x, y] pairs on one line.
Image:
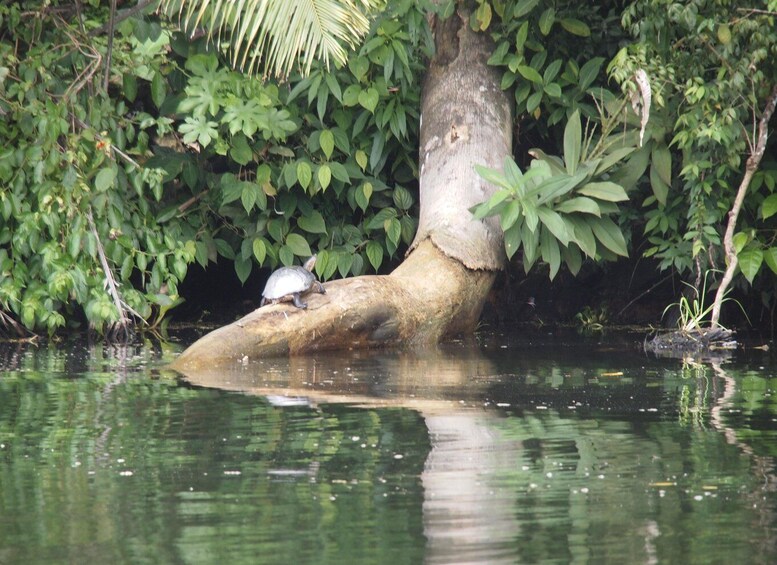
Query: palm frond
[[272, 37]]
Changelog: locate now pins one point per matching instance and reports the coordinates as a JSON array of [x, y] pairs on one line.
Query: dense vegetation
[[128, 156]]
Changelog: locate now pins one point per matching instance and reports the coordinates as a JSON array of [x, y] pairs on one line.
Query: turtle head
[[310, 263]]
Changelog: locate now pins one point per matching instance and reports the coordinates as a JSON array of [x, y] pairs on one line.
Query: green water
[[541, 450]]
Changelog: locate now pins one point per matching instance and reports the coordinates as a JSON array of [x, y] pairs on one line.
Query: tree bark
[[440, 288]]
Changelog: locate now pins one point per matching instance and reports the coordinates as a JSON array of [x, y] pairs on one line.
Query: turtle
[[288, 283]]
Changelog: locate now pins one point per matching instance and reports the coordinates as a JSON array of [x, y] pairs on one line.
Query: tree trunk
[[440, 288]]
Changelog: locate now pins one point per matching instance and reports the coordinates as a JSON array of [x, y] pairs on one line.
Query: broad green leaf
[[260, 250], [375, 254], [556, 187], [609, 234], [298, 245], [529, 74], [104, 179], [613, 159], [361, 159], [550, 252], [483, 17], [530, 216], [579, 204], [402, 198], [523, 7], [494, 176], [130, 86], [334, 86], [512, 173], [573, 140], [769, 206], [339, 172], [393, 230], [530, 239], [158, 89], [662, 162], [554, 223], [552, 89], [512, 240], [363, 194], [770, 258], [368, 99], [740, 239], [750, 262], [575, 27], [608, 191], [286, 255], [304, 174], [240, 152], [249, 194], [660, 188], [324, 176], [510, 215], [327, 142], [533, 101], [344, 263], [243, 268], [314, 223], [553, 162], [572, 257], [589, 72], [379, 219], [546, 20]]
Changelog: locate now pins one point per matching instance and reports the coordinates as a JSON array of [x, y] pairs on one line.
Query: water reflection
[[553, 451], [526, 452]]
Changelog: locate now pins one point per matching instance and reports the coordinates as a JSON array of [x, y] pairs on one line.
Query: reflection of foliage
[[694, 403], [148, 471]]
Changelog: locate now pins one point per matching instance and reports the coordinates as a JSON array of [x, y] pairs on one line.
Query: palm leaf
[[272, 37]]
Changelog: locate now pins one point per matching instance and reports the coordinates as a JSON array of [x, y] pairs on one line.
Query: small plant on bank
[[592, 319], [693, 314]]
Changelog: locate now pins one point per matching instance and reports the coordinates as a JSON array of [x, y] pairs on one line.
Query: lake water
[[534, 449]]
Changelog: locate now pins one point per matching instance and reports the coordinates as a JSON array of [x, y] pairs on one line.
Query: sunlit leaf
[[573, 140], [608, 191], [769, 206], [750, 262]]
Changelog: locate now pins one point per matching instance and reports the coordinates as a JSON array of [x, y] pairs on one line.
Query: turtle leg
[[297, 302], [320, 288]]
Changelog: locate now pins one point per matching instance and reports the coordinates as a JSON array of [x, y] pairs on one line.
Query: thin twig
[[122, 327]]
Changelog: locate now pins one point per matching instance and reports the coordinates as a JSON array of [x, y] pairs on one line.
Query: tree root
[[426, 299]]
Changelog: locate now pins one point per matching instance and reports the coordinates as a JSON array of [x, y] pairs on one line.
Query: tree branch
[[728, 239]]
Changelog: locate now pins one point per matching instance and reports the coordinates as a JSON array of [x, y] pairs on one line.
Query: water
[[541, 450]]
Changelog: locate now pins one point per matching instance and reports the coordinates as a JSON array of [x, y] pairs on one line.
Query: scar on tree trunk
[[440, 288]]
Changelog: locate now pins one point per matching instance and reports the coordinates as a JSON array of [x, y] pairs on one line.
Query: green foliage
[[325, 165], [184, 160], [71, 149], [711, 66], [561, 210], [551, 54]]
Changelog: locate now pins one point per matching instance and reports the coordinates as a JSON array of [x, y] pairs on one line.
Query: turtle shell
[[286, 281]]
